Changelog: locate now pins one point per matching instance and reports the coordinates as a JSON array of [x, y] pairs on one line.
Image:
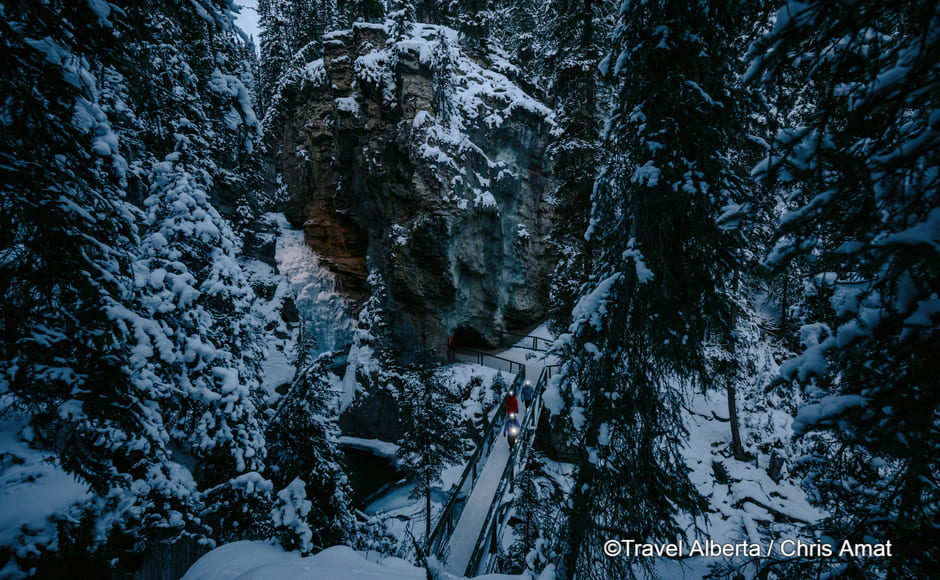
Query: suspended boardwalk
[[471, 525], [464, 538]]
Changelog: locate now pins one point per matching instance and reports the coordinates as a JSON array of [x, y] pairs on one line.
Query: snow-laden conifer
[[660, 269], [861, 164], [430, 438]]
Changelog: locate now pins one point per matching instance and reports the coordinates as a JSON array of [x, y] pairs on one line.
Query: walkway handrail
[[447, 522], [481, 358], [493, 524], [546, 342]]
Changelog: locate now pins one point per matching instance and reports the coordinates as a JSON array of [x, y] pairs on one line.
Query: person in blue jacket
[[511, 429], [527, 395]]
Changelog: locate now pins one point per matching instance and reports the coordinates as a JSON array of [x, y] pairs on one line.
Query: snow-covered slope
[[262, 561]]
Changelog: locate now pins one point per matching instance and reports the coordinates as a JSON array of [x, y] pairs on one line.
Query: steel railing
[[489, 360], [526, 341], [483, 560], [438, 542]]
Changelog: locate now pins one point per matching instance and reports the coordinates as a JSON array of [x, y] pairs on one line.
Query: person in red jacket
[[512, 403]]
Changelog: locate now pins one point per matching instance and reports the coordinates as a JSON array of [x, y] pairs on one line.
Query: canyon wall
[[409, 160]]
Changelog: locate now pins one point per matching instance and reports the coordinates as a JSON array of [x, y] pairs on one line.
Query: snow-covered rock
[[411, 157]]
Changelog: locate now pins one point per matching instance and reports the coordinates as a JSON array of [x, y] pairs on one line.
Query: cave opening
[[467, 337]]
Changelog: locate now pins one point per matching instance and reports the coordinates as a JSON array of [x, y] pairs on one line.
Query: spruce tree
[[128, 346], [659, 280], [275, 48], [430, 438], [443, 68], [516, 27], [291, 37], [306, 464], [530, 506], [472, 19], [67, 238], [862, 162], [401, 13], [432, 11], [352, 11], [194, 285], [577, 31]]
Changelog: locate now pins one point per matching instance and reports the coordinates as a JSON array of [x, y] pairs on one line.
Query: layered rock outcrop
[[407, 159]]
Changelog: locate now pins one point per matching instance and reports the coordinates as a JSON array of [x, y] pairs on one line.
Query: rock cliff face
[[407, 159]]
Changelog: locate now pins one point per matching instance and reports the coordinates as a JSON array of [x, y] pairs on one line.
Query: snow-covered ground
[[737, 507], [377, 447], [749, 506], [263, 561], [33, 490]]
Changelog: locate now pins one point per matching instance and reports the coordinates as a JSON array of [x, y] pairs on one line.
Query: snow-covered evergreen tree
[[306, 464], [197, 304], [352, 11], [659, 272], [401, 14], [531, 506], [430, 435], [517, 29], [128, 346], [577, 32], [275, 48], [863, 167], [291, 36], [443, 67], [68, 240], [472, 19]]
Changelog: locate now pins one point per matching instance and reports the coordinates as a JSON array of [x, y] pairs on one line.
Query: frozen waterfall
[[323, 309]]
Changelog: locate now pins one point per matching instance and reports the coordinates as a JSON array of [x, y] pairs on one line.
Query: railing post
[[493, 546]]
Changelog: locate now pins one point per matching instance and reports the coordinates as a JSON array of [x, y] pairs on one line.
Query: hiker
[[511, 429], [512, 404], [527, 395]]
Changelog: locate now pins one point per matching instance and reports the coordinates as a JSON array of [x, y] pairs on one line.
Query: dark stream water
[[368, 473]]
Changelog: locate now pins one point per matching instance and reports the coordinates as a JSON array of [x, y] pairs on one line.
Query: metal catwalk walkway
[[466, 536]]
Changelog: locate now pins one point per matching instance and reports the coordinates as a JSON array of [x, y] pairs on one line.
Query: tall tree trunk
[[427, 511], [427, 472], [908, 531], [579, 520], [735, 432]]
